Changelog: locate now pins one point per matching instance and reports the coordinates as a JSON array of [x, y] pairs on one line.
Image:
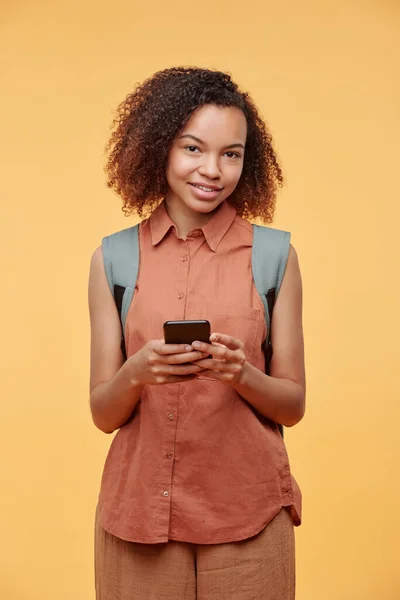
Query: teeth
[[205, 189]]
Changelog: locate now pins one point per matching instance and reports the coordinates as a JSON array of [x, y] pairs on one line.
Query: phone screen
[[186, 332]]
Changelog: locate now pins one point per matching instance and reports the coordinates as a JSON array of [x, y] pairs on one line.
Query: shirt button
[[169, 455], [166, 494], [184, 258], [180, 296], [171, 416]]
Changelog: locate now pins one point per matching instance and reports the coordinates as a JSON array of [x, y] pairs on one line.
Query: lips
[[206, 193], [206, 187]]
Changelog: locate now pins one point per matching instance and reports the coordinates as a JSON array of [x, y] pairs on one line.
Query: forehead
[[226, 124]]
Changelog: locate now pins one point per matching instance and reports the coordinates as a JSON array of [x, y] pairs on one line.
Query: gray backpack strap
[[269, 258], [121, 264]]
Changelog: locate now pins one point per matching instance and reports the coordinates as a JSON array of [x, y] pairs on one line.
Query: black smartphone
[[186, 332]]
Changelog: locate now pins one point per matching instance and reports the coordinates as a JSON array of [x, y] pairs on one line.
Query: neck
[[184, 218]]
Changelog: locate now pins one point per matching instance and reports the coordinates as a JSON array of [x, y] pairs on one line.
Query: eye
[[192, 149], [231, 154]]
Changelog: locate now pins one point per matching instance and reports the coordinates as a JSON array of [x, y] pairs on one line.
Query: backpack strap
[[269, 258], [121, 264]]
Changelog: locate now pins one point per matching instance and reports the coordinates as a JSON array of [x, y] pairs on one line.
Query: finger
[[176, 359], [210, 364], [162, 370], [162, 348], [227, 340], [206, 363], [219, 352]]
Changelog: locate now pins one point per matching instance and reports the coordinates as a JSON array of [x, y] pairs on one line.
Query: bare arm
[[115, 385], [113, 391], [279, 396]]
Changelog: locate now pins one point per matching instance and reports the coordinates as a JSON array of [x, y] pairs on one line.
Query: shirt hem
[[207, 542]]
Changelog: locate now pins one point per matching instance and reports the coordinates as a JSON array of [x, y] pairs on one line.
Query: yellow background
[[325, 76]]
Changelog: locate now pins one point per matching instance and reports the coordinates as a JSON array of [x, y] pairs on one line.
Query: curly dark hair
[[149, 120]]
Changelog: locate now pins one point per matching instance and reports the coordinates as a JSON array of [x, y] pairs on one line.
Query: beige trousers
[[260, 568]]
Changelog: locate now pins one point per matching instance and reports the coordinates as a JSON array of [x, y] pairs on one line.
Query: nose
[[210, 167]]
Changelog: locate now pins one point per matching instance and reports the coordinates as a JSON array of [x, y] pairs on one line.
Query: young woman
[[197, 499]]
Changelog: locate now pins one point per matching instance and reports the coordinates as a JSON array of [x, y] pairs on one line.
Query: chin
[[203, 206], [209, 208]]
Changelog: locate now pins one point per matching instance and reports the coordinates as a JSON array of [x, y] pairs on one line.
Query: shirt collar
[[217, 227], [160, 224], [214, 231]]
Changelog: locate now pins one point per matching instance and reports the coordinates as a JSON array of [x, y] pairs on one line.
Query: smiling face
[[206, 160]]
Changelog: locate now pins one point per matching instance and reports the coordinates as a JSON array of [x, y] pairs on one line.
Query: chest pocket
[[242, 322]]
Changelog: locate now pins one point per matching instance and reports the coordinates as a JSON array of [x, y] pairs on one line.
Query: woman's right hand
[[158, 363], [115, 384]]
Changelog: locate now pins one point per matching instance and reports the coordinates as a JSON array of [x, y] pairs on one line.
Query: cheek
[[179, 166], [233, 174]]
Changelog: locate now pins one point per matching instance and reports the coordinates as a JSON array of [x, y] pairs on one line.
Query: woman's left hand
[[227, 359]]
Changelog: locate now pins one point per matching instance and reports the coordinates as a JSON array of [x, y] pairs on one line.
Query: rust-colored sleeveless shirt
[[196, 463]]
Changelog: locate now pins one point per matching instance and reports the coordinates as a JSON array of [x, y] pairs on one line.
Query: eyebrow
[[199, 141]]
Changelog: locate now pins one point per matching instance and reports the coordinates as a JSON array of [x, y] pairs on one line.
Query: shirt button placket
[[169, 455], [184, 271], [182, 283]]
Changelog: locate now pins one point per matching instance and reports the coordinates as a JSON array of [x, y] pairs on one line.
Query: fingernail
[[196, 345], [188, 348]]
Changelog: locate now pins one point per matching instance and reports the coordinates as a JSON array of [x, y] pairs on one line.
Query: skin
[[209, 150]]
